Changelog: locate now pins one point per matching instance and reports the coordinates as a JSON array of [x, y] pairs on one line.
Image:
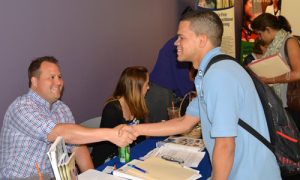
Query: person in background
[[33, 121], [209, 4], [225, 94], [126, 106], [250, 12], [169, 82], [276, 33], [259, 48], [274, 7]]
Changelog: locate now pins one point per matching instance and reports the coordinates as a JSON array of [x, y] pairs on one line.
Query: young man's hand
[[123, 135]]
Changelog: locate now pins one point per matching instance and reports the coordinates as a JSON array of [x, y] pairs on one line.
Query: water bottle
[[124, 152]]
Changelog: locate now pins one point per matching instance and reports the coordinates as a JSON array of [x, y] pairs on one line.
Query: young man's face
[[187, 43], [49, 84]]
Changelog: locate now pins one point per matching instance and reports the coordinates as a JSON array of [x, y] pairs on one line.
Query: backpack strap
[[218, 58], [256, 134], [241, 123]]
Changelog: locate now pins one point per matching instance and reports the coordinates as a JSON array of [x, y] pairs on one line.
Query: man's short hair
[[34, 67], [206, 22]]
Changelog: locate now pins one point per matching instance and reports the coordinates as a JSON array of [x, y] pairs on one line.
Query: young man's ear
[[202, 40]]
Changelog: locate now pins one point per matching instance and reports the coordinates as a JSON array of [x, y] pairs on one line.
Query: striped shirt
[[23, 138]]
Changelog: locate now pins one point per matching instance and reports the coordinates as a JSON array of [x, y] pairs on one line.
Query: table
[[147, 145]]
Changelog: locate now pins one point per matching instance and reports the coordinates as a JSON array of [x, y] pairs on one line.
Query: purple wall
[[94, 41]]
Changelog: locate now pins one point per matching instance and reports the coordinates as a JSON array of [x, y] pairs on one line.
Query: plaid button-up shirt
[[23, 139]]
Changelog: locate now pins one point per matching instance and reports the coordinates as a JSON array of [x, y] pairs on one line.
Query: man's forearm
[[166, 128], [76, 134], [120, 135], [222, 158], [83, 158]]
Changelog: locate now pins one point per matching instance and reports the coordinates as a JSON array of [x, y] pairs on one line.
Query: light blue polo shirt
[[225, 94]]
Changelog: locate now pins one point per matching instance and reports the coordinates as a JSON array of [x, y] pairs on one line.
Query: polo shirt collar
[[37, 98], [206, 59]]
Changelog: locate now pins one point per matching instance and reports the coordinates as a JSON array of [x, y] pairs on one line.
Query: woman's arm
[[293, 52]]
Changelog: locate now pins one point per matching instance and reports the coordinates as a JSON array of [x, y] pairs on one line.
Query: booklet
[[183, 142], [269, 67], [183, 150], [56, 153], [63, 166], [155, 168]]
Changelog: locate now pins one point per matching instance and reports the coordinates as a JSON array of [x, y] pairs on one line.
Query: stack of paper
[[184, 150], [269, 67], [155, 168], [93, 174], [63, 166]]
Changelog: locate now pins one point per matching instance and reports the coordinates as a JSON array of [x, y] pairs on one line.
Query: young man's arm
[[169, 127], [83, 158], [121, 135], [222, 158]]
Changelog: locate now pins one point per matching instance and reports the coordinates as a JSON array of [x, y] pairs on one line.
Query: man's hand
[[123, 135]]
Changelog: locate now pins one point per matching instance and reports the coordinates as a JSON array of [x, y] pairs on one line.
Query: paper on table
[[191, 158], [156, 169], [93, 174]]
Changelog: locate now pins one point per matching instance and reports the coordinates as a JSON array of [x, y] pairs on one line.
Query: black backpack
[[284, 134]]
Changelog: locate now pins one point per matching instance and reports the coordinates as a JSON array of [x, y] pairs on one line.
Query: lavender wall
[[93, 39]]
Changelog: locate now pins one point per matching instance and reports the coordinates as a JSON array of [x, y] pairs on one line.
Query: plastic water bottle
[[124, 152]]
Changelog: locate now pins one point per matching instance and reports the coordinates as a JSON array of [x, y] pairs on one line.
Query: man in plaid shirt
[[34, 120]]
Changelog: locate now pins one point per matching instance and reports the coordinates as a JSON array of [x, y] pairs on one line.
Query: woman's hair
[[130, 86], [265, 20]]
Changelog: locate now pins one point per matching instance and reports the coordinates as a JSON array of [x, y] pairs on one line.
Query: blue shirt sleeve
[[193, 108], [222, 101]]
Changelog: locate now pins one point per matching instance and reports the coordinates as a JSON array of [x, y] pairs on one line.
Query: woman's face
[[145, 86], [267, 36]]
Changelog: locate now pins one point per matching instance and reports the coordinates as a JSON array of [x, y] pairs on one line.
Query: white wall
[[290, 10]]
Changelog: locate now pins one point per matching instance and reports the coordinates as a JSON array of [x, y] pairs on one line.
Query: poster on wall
[[225, 10], [251, 9]]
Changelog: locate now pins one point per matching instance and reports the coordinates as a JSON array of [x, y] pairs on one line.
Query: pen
[[39, 171], [137, 168]]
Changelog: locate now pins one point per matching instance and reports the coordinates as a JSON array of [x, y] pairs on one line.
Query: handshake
[[123, 135]]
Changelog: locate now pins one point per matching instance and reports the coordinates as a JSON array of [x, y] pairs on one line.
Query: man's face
[[187, 43], [49, 84]]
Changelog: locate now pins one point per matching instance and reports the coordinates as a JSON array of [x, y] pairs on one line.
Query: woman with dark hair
[[126, 106], [276, 33]]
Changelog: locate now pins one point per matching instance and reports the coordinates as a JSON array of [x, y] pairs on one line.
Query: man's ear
[[33, 81], [202, 40]]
